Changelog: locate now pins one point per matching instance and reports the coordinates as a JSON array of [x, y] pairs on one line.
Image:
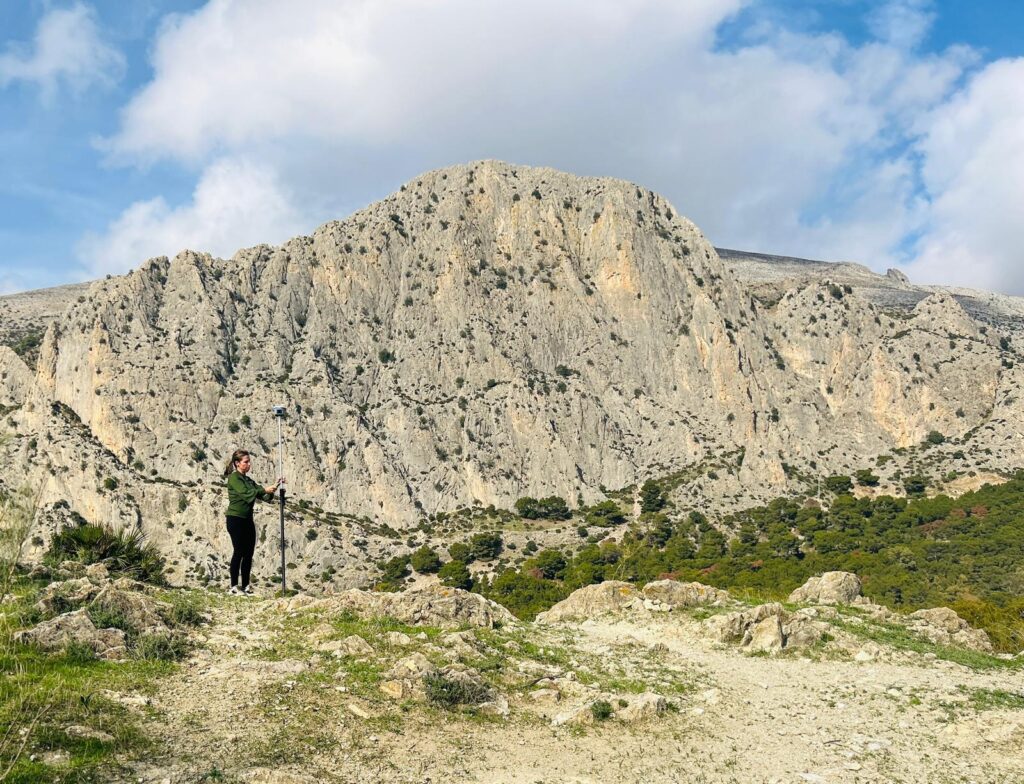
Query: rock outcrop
[[943, 626], [592, 601], [828, 588], [431, 605], [75, 628]]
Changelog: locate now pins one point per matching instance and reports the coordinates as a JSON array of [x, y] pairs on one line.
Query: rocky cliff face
[[488, 332]]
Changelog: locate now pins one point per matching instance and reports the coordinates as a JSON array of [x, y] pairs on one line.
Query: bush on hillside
[[455, 574], [124, 552]]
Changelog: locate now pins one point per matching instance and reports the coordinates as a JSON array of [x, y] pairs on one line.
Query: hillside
[[487, 333]]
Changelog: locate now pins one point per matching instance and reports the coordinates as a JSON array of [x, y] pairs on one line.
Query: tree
[[554, 508], [550, 508], [838, 484], [866, 479], [425, 560], [460, 551], [550, 564], [605, 515], [455, 574], [395, 569], [527, 508], [485, 546], [915, 485], [652, 497], [935, 437]]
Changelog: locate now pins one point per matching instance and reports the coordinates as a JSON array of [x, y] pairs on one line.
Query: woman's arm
[[244, 489]]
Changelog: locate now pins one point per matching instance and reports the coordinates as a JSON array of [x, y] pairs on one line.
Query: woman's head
[[240, 461]]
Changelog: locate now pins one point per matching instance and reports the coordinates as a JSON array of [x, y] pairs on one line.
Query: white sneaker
[[235, 590], [248, 591]]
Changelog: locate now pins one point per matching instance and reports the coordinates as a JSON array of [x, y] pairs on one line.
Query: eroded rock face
[[828, 588], [591, 601]]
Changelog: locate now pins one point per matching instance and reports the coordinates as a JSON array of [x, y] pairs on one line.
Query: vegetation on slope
[[965, 553]]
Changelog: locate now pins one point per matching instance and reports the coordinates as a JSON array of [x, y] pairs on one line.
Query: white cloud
[[791, 143], [67, 48], [973, 152], [234, 200], [902, 23]]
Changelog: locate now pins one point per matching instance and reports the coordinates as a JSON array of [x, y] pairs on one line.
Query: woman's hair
[[237, 455]]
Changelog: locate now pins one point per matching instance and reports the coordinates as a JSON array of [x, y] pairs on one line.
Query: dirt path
[[238, 713]]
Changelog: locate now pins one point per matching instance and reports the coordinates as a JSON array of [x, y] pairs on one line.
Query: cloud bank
[[67, 49], [776, 141]]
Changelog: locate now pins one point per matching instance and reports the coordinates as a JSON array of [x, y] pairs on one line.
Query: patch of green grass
[[44, 693], [995, 699], [902, 639]]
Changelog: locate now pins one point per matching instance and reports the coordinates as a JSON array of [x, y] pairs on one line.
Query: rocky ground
[[678, 682]]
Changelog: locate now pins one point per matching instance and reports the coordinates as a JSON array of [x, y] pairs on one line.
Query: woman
[[242, 495]]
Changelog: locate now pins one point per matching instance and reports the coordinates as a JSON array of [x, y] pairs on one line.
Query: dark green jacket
[[242, 495]]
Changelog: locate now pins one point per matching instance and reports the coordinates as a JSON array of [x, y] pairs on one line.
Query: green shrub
[[485, 546], [601, 710], [547, 563], [395, 569], [551, 508], [450, 692], [838, 484], [865, 478], [460, 551], [652, 497], [125, 552], [605, 515], [160, 647], [455, 574], [425, 560], [935, 437]]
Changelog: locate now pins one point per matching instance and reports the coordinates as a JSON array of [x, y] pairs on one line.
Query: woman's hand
[[273, 488]]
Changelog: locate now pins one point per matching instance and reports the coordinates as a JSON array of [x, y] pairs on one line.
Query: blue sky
[[889, 133]]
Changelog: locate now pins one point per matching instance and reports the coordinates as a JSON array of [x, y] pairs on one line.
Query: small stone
[[357, 711], [395, 689], [398, 638]]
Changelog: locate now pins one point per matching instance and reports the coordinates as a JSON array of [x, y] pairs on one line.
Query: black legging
[[242, 531]]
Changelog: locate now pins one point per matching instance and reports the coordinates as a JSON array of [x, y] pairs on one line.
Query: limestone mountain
[[489, 332]]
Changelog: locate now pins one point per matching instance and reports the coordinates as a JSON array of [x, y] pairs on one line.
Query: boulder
[[398, 639], [67, 594], [411, 667], [97, 572], [591, 601], [677, 594], [354, 645], [828, 588], [75, 627], [766, 635], [801, 630], [431, 605], [140, 611], [735, 627], [943, 626]]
